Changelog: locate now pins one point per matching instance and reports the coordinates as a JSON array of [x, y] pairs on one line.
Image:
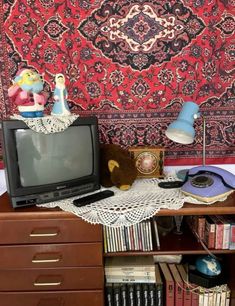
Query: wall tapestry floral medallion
[[140, 34], [132, 63]]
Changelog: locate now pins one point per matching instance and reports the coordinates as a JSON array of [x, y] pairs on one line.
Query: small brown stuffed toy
[[117, 168]]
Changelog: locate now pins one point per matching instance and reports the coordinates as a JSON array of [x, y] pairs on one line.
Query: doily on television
[[47, 124], [142, 201]]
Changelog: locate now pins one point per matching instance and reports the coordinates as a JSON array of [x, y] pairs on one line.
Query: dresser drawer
[[48, 231], [51, 255], [63, 298], [51, 279]]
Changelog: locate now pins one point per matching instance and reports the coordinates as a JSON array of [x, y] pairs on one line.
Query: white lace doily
[[48, 124], [142, 201]]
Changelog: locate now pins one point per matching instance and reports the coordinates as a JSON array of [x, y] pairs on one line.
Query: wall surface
[[132, 63]]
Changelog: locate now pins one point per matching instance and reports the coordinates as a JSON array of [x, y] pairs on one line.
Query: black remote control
[[93, 198], [171, 184]]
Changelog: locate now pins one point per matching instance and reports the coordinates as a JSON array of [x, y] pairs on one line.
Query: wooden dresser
[[49, 258], [52, 258]]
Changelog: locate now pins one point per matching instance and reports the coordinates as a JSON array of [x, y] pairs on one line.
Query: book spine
[[219, 236], [179, 294], [130, 295], [115, 239], [187, 296], [209, 238], [150, 236], [170, 294], [123, 293], [137, 244], [145, 236], [127, 238], [232, 237], [119, 239], [152, 294], [131, 237], [108, 238], [201, 298], [218, 298], [195, 298], [223, 298], [211, 298], [159, 295], [201, 227], [130, 268], [157, 240], [145, 294], [124, 238], [226, 236], [109, 294], [111, 239], [228, 294], [116, 295], [206, 299], [129, 273], [136, 279], [138, 295]]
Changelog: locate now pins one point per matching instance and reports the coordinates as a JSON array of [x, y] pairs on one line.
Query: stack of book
[[216, 231], [138, 281], [179, 292], [137, 237], [133, 281]]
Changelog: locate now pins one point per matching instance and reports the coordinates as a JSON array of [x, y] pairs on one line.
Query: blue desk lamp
[[182, 131]]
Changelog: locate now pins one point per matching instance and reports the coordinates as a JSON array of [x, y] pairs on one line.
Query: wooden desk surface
[[7, 211]]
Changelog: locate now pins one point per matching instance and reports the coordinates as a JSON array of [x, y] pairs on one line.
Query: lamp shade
[[181, 130]]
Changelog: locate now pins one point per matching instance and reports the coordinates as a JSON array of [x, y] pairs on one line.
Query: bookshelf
[[187, 244]]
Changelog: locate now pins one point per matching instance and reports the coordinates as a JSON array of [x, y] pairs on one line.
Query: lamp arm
[[204, 142]]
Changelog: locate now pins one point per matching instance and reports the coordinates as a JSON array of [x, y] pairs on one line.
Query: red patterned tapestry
[[132, 63]]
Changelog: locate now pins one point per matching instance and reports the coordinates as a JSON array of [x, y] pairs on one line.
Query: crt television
[[43, 168]]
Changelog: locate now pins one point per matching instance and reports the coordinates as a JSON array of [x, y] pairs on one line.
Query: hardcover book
[[156, 234], [145, 289], [109, 294], [130, 295], [168, 284], [209, 238], [138, 295], [159, 287], [178, 285], [130, 263], [116, 294], [123, 293], [226, 231], [219, 228], [187, 290], [131, 279]]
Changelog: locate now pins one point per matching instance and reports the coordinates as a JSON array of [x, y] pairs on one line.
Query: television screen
[[54, 158]]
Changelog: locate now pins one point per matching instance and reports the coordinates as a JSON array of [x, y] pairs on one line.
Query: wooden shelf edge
[[165, 252], [226, 207]]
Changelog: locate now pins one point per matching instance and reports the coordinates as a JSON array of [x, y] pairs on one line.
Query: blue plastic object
[[208, 265], [181, 130]]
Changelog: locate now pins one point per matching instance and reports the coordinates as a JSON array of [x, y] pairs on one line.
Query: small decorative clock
[[149, 161]]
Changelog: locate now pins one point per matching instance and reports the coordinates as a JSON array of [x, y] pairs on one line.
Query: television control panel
[[53, 195]]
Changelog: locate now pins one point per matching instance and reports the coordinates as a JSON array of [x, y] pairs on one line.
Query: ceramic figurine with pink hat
[[27, 93]]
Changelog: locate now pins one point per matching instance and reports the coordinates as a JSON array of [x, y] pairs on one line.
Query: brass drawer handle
[[45, 233], [46, 257], [47, 284], [45, 260]]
